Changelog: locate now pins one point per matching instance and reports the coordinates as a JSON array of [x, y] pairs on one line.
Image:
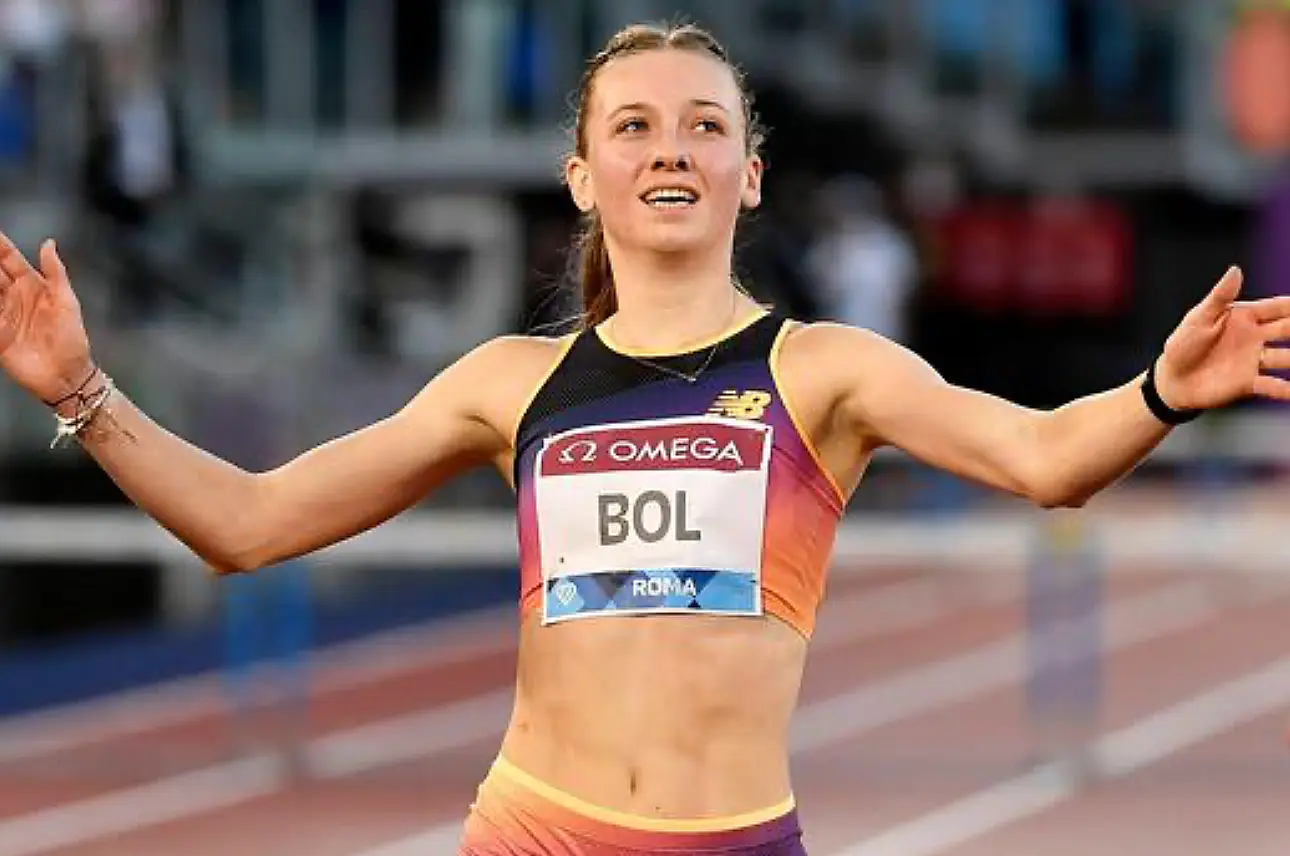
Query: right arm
[[233, 519], [237, 520]]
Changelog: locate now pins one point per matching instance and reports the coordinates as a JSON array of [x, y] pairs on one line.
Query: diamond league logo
[[565, 592]]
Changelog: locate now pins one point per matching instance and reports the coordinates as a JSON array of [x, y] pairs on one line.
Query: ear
[[751, 196], [577, 176]]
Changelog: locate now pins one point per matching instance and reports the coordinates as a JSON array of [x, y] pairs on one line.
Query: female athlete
[[680, 463]]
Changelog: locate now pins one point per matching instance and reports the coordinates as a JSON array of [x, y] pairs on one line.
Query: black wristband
[[1157, 406]]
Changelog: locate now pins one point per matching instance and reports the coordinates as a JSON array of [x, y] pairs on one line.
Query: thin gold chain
[[689, 377]]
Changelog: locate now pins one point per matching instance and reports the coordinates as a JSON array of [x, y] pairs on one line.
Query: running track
[[911, 739]]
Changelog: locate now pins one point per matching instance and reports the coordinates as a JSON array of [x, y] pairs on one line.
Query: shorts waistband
[[512, 787]]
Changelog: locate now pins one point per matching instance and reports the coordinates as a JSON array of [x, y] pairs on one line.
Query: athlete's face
[[665, 120]]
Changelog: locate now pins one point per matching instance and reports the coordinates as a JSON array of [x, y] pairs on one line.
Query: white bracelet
[[71, 427]]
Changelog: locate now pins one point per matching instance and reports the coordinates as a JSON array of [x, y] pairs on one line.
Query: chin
[[676, 241]]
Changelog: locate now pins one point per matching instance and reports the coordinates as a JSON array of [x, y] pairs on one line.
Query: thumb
[[1224, 294], [51, 265]]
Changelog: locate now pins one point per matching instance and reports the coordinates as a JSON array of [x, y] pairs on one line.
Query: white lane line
[[1133, 621], [200, 791], [1136, 620], [410, 736], [351, 751], [1147, 741], [340, 667], [904, 604]]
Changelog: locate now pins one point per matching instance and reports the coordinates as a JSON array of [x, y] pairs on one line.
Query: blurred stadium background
[[283, 216]]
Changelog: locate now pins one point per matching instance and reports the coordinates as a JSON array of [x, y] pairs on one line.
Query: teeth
[[670, 196]]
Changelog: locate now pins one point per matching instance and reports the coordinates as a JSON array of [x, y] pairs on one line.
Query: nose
[[672, 159]]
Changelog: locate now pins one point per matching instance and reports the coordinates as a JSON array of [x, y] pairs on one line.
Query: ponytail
[[599, 300]]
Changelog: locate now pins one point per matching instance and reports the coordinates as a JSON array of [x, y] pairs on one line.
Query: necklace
[[688, 377], [693, 376]]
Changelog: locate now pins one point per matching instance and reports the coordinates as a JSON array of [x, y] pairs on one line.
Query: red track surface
[[1224, 792]]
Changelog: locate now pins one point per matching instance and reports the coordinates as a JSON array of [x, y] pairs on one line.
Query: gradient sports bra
[[643, 492]]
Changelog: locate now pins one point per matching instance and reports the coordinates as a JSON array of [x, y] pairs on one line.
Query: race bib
[[654, 516]]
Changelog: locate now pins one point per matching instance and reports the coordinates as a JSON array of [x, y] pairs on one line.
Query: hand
[[1222, 347], [43, 343]]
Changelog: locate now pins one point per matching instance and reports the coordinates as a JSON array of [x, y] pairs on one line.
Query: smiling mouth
[[670, 197]]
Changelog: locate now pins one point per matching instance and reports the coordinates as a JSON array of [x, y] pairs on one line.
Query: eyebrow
[[694, 102]]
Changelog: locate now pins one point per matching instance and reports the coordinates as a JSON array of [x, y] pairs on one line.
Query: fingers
[[1224, 294], [1269, 309], [1274, 359], [1276, 331], [1276, 388], [12, 262]]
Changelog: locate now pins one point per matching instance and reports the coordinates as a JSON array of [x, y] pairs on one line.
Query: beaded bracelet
[[71, 427]]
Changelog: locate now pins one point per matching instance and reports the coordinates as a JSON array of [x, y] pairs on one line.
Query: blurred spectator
[[31, 34], [136, 153], [774, 243], [136, 158], [117, 23], [930, 187], [863, 262]]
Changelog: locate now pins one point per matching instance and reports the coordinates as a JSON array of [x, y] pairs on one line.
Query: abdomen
[[667, 716]]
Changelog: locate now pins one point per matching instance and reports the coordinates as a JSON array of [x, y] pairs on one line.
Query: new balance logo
[[750, 404]]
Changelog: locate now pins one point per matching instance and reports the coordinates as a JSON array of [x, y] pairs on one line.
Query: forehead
[[664, 78]]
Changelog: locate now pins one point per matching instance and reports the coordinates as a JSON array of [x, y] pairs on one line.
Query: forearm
[[1093, 442], [237, 520], [209, 504]]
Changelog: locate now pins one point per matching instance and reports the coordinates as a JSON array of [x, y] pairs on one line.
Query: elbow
[[244, 544], [1056, 493], [226, 563], [1054, 501], [226, 557], [1052, 482]]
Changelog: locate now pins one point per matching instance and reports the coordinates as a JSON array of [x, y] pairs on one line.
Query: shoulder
[[825, 344], [493, 371], [850, 367], [495, 381], [519, 352]]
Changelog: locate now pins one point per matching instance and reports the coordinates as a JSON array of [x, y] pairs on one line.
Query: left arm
[[1052, 458], [1064, 456]]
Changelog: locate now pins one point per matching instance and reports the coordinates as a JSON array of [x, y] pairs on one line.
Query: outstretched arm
[[234, 519], [238, 520], [1064, 456]]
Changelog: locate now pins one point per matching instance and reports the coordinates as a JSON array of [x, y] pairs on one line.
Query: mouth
[[670, 197]]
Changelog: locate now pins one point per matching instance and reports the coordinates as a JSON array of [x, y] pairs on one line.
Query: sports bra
[[643, 491]]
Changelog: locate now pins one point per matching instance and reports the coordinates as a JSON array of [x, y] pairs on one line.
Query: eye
[[710, 126], [630, 126]]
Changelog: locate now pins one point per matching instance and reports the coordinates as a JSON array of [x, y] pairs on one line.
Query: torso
[[683, 710]]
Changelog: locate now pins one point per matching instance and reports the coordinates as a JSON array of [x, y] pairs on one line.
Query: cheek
[[727, 182], [615, 182]]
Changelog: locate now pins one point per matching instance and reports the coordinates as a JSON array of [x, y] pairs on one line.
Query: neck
[[666, 304]]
